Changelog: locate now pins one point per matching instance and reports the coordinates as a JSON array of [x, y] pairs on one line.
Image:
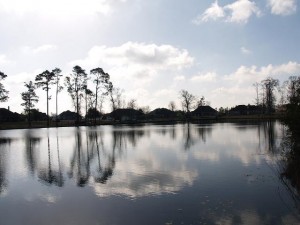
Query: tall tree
[[45, 80], [115, 97], [293, 106], [88, 97], [256, 86], [172, 106], [187, 100], [3, 91], [59, 88], [101, 80], [293, 89], [30, 98], [76, 84], [269, 85]]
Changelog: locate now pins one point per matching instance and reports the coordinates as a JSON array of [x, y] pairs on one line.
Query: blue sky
[[152, 49]]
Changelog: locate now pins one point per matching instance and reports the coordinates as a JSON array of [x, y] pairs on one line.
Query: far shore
[[72, 123]]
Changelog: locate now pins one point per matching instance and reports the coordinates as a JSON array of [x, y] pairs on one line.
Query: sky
[[151, 49]]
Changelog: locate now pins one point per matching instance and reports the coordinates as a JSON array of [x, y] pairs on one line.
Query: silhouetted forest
[[88, 98]]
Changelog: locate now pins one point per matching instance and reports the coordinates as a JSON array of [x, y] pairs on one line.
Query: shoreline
[[72, 123]]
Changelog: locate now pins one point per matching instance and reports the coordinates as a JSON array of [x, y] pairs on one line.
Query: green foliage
[[44, 80], [76, 84], [3, 91], [29, 97]]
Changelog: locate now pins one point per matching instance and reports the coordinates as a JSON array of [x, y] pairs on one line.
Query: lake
[[218, 173]]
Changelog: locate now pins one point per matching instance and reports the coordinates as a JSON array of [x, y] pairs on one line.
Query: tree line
[[76, 85], [93, 96]]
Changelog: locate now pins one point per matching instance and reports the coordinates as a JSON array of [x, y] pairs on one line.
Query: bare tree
[[88, 97], [172, 106], [115, 97], [3, 91], [256, 85], [283, 93], [293, 90], [293, 106], [200, 102], [76, 84], [269, 85], [45, 80], [59, 88], [187, 100], [132, 104], [30, 98]]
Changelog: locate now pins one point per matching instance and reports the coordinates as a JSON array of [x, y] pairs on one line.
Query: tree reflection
[[3, 163], [31, 145], [194, 134], [173, 132], [290, 169], [189, 141], [80, 162], [103, 172], [269, 131], [204, 132], [49, 175]]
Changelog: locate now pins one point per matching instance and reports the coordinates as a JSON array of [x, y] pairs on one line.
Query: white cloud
[[239, 11], [179, 78], [208, 77], [138, 60], [160, 56], [282, 7], [239, 83], [61, 8], [39, 49], [254, 74], [214, 12], [245, 50], [139, 66], [4, 60]]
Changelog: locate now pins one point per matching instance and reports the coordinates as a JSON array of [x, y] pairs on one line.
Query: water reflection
[[4, 145], [289, 167], [179, 173], [48, 174], [31, 150], [95, 154]]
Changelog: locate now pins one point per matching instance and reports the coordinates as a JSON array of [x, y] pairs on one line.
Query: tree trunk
[[56, 119], [29, 119], [47, 107], [77, 108], [96, 103]]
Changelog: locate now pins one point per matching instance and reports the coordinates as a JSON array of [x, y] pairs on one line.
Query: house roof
[[204, 109], [162, 112], [68, 115], [125, 112]]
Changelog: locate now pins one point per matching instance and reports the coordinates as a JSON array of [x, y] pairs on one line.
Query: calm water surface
[[149, 174]]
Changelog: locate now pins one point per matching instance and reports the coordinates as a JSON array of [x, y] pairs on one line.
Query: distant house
[[204, 111], [8, 116], [245, 110], [126, 114], [38, 116], [68, 115], [161, 113]]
